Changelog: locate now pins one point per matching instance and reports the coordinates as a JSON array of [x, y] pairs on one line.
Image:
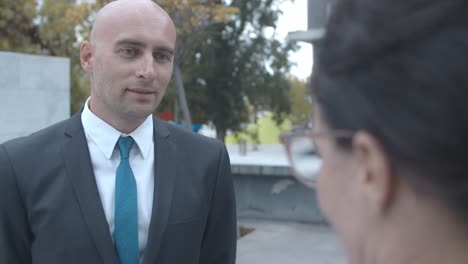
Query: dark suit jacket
[[51, 212]]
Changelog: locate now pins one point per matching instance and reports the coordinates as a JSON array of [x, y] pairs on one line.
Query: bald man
[[113, 184]]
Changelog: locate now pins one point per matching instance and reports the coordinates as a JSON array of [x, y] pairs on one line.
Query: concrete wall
[[34, 93], [269, 192]]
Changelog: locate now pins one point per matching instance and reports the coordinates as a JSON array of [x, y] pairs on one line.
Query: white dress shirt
[[105, 158]]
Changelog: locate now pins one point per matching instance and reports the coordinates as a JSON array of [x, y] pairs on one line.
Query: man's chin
[[141, 112]]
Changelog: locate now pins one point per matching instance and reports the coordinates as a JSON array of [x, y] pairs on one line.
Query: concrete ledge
[[271, 193], [309, 36], [265, 188]]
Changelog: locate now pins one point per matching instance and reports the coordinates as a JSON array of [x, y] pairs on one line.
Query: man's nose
[[146, 67]]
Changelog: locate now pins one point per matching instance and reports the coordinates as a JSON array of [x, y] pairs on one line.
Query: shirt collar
[[105, 136]]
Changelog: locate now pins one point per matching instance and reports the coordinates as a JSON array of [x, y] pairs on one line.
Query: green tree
[[239, 65], [301, 106], [63, 25], [192, 18], [17, 31]]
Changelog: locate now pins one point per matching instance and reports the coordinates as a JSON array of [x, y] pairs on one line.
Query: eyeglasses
[[302, 153]]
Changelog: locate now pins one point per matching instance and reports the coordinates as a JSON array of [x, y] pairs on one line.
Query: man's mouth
[[141, 90]]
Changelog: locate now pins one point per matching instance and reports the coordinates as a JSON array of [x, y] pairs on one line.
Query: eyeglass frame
[[287, 139]]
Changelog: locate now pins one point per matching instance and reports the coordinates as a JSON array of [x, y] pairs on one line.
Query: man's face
[[131, 64]]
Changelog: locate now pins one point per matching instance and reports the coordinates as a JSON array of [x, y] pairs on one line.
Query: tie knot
[[125, 144]]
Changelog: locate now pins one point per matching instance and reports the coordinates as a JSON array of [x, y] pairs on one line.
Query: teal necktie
[[126, 208]]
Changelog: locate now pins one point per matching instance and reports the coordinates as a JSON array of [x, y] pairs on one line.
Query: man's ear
[[376, 178], [86, 56]]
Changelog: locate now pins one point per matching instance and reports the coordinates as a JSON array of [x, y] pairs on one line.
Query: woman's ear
[[375, 179]]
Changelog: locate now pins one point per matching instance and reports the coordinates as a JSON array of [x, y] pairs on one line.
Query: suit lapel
[[164, 180], [80, 171]]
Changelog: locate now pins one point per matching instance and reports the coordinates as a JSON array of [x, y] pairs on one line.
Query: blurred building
[[317, 15]]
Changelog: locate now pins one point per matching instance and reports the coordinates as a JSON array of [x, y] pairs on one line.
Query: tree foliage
[[301, 106], [239, 64], [16, 30], [192, 18]]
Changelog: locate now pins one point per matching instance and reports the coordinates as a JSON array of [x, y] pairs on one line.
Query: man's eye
[[162, 57], [127, 52]]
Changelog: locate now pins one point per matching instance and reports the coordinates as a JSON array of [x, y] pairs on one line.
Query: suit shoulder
[[45, 136]]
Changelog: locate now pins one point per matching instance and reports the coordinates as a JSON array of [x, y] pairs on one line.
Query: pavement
[[274, 242]]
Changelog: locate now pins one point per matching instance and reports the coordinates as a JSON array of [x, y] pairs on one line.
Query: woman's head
[[393, 72]]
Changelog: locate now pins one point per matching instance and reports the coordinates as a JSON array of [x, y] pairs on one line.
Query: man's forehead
[[127, 13], [117, 7]]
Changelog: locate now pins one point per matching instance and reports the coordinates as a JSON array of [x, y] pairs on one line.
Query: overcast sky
[[294, 18]]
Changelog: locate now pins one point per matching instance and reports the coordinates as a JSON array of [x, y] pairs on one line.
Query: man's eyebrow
[[134, 42], [165, 49]]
